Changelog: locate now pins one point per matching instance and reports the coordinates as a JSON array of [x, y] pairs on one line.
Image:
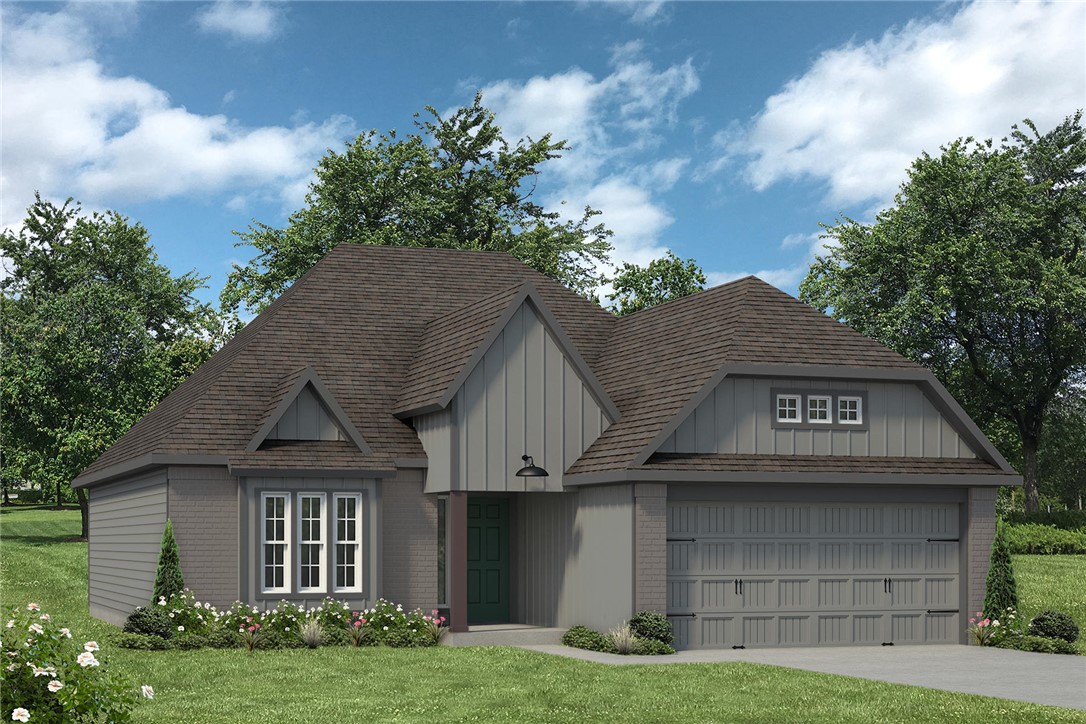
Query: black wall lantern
[[530, 469]]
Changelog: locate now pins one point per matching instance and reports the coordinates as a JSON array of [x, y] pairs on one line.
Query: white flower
[[36, 628], [11, 623], [162, 601], [20, 714], [44, 671], [11, 667], [55, 686], [33, 607], [66, 632], [44, 617], [86, 659], [171, 614], [386, 628], [148, 692], [996, 622], [90, 646], [180, 628]]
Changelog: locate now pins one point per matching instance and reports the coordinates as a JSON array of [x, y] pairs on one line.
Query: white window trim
[[799, 408], [322, 558], [859, 410], [336, 542], [287, 566], [829, 409]]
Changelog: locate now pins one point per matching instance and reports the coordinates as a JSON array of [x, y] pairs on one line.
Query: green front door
[[488, 560]]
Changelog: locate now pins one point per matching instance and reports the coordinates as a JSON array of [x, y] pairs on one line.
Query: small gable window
[[788, 408], [850, 410], [275, 573], [818, 409]]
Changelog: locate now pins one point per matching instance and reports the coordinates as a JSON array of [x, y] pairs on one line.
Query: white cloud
[[73, 129], [861, 113], [257, 21]]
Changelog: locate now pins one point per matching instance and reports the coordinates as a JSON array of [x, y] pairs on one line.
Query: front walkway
[[1051, 679]]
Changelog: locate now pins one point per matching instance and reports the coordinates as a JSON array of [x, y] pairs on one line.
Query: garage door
[[773, 574]]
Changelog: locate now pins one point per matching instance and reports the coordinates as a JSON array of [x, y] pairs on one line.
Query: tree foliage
[[96, 333], [978, 273], [640, 287], [168, 576], [456, 183], [1000, 587], [1062, 456]]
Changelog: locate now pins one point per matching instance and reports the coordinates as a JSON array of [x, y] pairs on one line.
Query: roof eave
[[858, 478]]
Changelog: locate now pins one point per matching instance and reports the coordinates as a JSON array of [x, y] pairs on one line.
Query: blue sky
[[722, 131]]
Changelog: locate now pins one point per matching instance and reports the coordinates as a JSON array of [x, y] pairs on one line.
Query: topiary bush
[[652, 625], [582, 637], [150, 621], [652, 647], [1038, 644], [1054, 625], [168, 578], [1001, 590]]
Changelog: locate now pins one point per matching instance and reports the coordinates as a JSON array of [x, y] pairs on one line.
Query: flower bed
[[47, 675]]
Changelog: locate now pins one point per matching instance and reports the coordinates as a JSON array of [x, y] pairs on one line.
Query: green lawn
[[451, 684]]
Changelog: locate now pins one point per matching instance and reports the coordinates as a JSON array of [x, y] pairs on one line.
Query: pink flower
[[55, 686], [252, 628], [33, 607], [357, 624], [20, 714]]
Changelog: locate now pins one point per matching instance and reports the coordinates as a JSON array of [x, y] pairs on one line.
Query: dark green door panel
[[488, 560]]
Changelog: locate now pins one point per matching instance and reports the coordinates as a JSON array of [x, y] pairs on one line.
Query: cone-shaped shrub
[[1001, 591], [168, 579]]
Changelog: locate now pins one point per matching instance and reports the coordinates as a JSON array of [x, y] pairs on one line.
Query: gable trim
[[309, 376], [528, 294], [944, 402]]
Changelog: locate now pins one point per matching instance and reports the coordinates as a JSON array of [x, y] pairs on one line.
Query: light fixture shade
[[530, 469]]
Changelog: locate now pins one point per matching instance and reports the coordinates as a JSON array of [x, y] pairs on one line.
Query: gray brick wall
[[409, 545], [982, 524], [650, 547], [203, 505]]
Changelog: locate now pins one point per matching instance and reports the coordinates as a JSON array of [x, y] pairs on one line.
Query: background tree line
[[975, 272]]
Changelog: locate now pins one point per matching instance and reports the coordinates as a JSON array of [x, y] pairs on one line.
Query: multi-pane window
[[274, 541], [788, 408], [348, 563], [850, 410], [310, 541], [818, 408]]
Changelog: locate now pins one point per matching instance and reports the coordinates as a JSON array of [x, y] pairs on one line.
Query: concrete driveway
[[1050, 679]]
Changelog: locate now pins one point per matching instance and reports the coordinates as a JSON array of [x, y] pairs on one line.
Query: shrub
[[389, 625], [1038, 644], [272, 639], [54, 678], [1054, 625], [311, 633], [224, 638], [189, 642], [335, 637], [652, 647], [582, 637], [1037, 538], [168, 578], [652, 625], [1065, 519], [1001, 591], [142, 642], [623, 639], [150, 621]]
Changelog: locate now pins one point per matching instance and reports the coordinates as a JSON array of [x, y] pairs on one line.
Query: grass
[[453, 684], [1053, 582]]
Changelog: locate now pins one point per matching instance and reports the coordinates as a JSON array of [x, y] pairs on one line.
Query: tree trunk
[[1029, 473], [84, 512], [58, 496]]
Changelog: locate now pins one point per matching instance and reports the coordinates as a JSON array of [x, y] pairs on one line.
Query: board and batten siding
[[573, 557], [737, 417], [126, 523], [523, 398], [306, 419]]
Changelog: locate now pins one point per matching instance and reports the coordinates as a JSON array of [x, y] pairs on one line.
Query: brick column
[[650, 547], [457, 561], [982, 525]]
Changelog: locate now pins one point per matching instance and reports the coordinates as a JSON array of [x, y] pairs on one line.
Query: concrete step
[[511, 634]]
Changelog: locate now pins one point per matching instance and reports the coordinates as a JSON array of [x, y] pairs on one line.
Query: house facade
[[760, 473]]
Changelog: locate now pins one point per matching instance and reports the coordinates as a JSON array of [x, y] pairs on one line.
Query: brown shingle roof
[[716, 463]]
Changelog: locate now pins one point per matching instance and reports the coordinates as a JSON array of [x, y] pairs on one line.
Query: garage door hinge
[[944, 540], [887, 643], [681, 540], [943, 610], [739, 646], [681, 615]]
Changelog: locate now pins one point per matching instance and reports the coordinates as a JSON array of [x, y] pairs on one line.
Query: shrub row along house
[[761, 473]]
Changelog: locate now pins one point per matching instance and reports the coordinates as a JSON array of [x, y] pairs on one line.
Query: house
[[761, 473]]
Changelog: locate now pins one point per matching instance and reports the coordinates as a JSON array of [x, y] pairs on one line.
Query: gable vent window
[[311, 542], [348, 543], [850, 410], [818, 409], [788, 408], [275, 536]]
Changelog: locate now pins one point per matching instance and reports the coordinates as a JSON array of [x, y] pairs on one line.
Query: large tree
[[977, 272], [95, 333], [661, 280], [456, 183]]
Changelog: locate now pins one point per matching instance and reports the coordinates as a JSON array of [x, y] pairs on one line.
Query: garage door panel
[[812, 574]]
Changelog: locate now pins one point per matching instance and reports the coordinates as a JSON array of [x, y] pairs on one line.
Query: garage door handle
[[739, 586], [944, 540], [682, 540]]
